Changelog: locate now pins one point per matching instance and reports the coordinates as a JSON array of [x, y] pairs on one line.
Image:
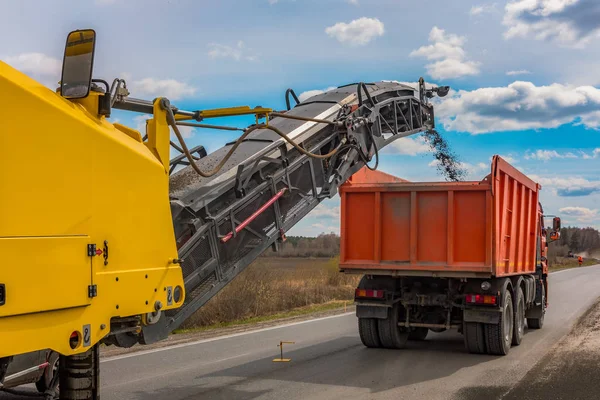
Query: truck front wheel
[[367, 329], [391, 335]]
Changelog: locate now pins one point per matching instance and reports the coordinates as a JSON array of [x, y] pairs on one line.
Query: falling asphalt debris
[[448, 164]]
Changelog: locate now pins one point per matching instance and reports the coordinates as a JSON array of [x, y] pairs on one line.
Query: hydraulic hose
[[217, 168]]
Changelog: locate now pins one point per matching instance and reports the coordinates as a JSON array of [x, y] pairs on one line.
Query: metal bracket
[[92, 291], [91, 250]]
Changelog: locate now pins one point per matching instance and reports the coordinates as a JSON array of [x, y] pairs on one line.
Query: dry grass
[[271, 286], [568, 262]]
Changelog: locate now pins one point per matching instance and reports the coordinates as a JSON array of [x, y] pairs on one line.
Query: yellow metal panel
[[65, 172], [34, 285]]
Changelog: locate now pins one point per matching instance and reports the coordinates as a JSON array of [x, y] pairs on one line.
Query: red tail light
[[373, 294], [486, 299]]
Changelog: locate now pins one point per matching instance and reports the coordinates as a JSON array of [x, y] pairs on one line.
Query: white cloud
[[572, 23], [547, 155], [36, 64], [326, 229], [105, 2], [448, 56], [324, 211], [273, 2], [518, 72], [569, 186], [583, 214], [169, 88], [482, 9], [358, 32], [520, 106], [310, 93], [353, 2], [408, 146], [239, 52]]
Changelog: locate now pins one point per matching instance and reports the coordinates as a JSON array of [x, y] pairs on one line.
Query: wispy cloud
[[239, 52], [518, 72]]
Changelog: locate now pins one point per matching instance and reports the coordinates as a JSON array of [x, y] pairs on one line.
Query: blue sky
[[523, 73]]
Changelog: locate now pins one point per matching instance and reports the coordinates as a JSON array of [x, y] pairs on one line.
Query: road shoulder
[[571, 369]]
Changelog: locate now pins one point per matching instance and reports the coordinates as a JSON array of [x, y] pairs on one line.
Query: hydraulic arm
[[277, 174]]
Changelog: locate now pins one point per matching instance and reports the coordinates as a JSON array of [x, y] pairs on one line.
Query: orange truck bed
[[394, 227]]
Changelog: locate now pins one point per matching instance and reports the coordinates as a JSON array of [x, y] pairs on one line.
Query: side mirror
[[556, 224], [78, 61]]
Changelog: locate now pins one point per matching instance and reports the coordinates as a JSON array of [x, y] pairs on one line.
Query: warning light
[[481, 299]]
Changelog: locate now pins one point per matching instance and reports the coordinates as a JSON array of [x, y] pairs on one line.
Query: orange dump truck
[[443, 255]]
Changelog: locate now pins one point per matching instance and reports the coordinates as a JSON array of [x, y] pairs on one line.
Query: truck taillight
[[374, 294], [481, 299]]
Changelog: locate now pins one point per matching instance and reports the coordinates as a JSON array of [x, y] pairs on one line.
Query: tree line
[[324, 245], [584, 241]]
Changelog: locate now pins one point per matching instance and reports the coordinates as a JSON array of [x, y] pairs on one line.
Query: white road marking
[[178, 346]]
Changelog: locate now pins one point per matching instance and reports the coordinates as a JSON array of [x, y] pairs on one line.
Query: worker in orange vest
[[580, 260]]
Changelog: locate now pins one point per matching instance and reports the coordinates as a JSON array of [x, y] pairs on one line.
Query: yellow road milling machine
[[106, 238]]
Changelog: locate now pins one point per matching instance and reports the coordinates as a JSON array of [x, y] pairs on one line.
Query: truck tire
[[538, 323], [367, 330], [498, 337], [474, 337], [418, 334], [519, 323], [391, 335]]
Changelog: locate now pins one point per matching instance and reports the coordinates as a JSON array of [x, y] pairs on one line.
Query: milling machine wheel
[[79, 376]]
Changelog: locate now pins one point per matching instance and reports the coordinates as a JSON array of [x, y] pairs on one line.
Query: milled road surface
[[329, 362]]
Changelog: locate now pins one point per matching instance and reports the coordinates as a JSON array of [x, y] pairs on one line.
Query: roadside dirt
[[572, 370], [111, 351]]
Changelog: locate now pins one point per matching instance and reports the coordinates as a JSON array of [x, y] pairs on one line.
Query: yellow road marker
[[281, 359]]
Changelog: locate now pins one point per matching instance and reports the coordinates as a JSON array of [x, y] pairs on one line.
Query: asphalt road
[[329, 362]]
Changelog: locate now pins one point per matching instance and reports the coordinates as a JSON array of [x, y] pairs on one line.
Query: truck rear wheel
[[418, 334], [367, 330], [391, 335], [519, 324], [474, 337], [537, 323], [499, 336]]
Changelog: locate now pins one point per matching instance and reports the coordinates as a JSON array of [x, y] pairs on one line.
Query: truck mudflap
[[491, 316], [379, 311]]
